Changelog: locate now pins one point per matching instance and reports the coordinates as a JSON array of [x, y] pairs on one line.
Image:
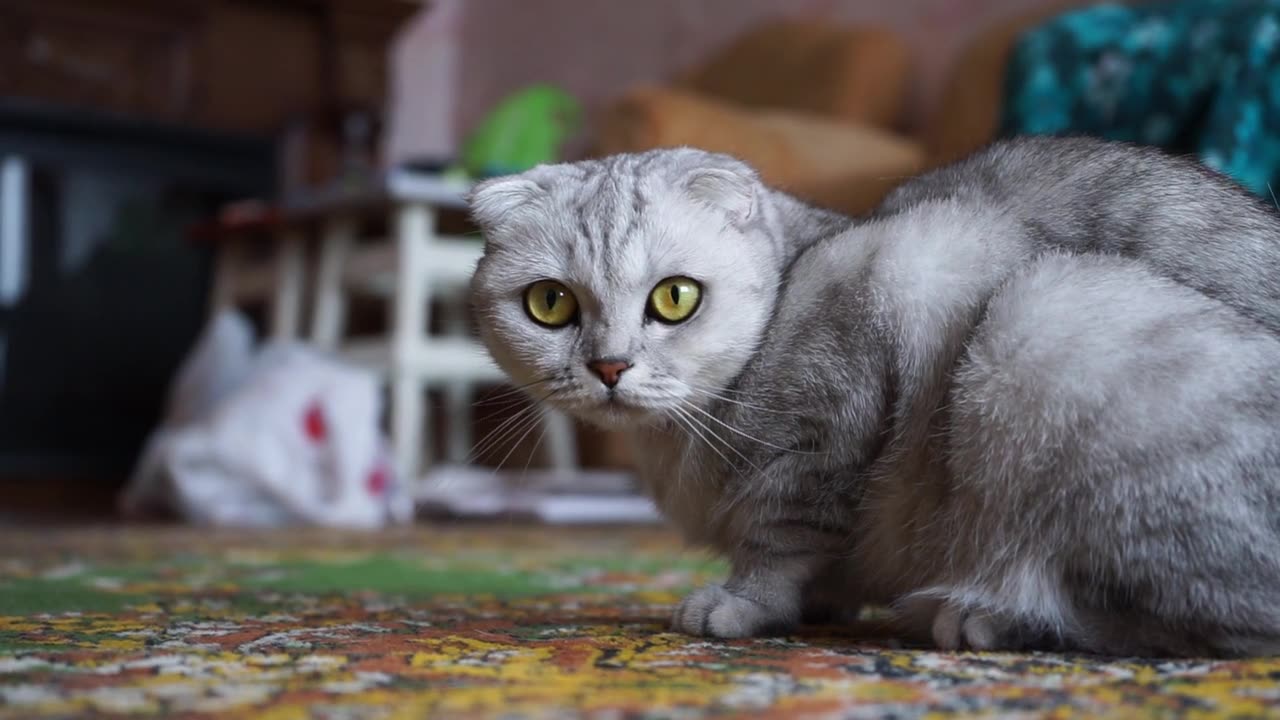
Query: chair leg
[[408, 424], [414, 225], [457, 394], [227, 265], [328, 323], [562, 442], [286, 301]]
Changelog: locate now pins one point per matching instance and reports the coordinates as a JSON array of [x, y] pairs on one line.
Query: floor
[[485, 621]]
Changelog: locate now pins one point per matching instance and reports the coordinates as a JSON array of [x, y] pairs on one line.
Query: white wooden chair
[[412, 267], [255, 264]]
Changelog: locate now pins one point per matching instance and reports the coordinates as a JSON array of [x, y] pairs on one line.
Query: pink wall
[[459, 58]]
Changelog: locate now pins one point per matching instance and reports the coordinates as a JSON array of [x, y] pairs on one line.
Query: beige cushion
[[857, 75], [802, 153]]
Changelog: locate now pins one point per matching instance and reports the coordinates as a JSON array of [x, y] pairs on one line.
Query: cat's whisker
[[506, 396], [501, 416], [499, 433], [749, 406], [730, 392], [752, 438], [494, 437], [525, 423], [726, 390], [492, 440], [728, 445], [534, 451], [675, 422], [506, 407], [695, 432], [512, 391], [528, 428]]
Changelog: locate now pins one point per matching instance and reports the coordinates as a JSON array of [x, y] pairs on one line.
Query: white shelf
[[441, 359], [575, 498], [398, 184]]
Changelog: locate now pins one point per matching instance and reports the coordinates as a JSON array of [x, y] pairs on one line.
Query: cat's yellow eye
[[550, 303], [673, 300]]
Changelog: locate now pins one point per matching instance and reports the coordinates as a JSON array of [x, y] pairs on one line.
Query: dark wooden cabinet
[[237, 65], [97, 57], [122, 123]]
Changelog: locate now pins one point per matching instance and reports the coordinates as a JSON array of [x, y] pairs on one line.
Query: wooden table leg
[[286, 297], [414, 225], [227, 264], [328, 323], [457, 394], [562, 445]]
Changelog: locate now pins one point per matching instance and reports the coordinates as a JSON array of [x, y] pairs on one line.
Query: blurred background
[[298, 169]]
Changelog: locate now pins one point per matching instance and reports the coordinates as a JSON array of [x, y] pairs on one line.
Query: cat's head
[[624, 290]]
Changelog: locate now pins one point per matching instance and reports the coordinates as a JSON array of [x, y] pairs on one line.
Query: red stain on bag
[[377, 481], [313, 423]]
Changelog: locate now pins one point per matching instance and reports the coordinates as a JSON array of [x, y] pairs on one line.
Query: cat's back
[[1082, 195], [908, 285], [1091, 194], [856, 303], [1072, 174]]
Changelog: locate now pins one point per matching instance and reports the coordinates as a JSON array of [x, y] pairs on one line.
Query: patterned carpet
[[484, 622]]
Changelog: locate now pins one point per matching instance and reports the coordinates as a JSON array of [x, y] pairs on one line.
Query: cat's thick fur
[[1034, 400]]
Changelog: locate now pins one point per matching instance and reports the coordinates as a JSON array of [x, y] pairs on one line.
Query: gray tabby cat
[[1033, 401]]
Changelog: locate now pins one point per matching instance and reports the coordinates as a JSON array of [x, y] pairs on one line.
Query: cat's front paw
[[713, 611], [956, 627]]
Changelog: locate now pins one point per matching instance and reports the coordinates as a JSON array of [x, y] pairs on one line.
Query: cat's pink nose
[[608, 369]]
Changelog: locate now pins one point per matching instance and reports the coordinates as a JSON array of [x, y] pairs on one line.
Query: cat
[[1031, 401]]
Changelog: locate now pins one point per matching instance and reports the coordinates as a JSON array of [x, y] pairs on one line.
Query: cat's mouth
[[616, 402], [615, 411], [618, 408]]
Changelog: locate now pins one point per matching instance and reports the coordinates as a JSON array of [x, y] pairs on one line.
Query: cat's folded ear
[[729, 189], [502, 201]]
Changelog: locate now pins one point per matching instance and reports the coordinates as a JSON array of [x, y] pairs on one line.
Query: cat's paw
[[956, 627], [713, 611]]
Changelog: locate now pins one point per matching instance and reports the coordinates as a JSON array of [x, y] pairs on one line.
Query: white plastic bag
[[260, 438]]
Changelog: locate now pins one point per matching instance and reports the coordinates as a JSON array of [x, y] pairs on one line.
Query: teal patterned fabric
[[1194, 76]]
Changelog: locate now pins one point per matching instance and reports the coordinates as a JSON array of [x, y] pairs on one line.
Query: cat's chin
[[616, 415]]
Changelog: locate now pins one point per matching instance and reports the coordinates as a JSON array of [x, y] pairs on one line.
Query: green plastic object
[[526, 129]]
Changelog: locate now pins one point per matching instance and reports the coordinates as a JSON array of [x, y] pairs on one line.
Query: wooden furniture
[[260, 261], [239, 65], [263, 260], [813, 107], [99, 296], [121, 122], [413, 268], [410, 267]]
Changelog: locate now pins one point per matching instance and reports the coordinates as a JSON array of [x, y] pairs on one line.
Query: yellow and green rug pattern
[[485, 622]]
